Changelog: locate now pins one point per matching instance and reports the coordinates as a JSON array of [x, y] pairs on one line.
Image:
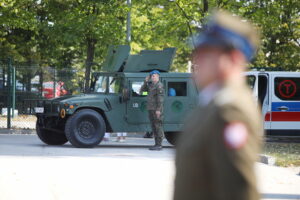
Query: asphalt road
[[31, 170]]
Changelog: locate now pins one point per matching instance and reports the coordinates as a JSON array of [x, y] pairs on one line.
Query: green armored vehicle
[[114, 103]]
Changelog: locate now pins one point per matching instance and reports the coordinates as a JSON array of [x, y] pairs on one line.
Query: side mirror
[[125, 95]]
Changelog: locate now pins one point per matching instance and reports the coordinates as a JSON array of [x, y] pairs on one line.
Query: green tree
[[86, 28], [75, 34]]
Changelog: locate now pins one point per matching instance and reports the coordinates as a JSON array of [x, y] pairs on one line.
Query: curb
[[268, 160]]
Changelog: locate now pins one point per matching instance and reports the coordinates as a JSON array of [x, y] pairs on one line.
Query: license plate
[[39, 109]]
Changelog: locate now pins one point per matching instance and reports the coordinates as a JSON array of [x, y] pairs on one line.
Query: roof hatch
[[119, 59]]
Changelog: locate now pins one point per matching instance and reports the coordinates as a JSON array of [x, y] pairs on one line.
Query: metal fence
[[21, 84]]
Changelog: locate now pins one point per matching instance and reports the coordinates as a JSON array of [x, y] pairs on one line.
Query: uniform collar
[[154, 84]]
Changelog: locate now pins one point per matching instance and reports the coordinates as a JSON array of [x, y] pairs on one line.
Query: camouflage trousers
[[156, 125]]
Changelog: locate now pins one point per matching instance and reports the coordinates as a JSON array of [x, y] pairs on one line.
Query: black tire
[[85, 129], [172, 137], [50, 137]]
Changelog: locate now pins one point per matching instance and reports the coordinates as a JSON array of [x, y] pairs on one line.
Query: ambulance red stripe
[[283, 117]]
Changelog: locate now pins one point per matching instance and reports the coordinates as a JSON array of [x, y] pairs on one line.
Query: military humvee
[[114, 103]]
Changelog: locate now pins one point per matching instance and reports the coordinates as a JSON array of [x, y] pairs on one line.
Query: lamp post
[[128, 25]]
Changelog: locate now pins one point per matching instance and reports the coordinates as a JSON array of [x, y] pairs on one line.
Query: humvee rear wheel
[[85, 128], [171, 137], [50, 137]]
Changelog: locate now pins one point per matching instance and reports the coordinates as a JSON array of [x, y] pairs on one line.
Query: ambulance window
[[262, 88], [287, 88], [177, 89], [251, 81]]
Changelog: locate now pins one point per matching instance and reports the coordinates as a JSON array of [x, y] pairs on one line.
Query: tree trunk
[[41, 80], [205, 6], [89, 62], [28, 77]]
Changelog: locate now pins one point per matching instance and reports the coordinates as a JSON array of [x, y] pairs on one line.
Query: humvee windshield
[[100, 82]]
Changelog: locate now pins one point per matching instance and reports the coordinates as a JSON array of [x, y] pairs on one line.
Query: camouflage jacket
[[155, 98]]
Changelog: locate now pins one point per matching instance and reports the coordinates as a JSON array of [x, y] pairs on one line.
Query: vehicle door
[[252, 81], [263, 97], [136, 106], [259, 83], [285, 102], [180, 99]]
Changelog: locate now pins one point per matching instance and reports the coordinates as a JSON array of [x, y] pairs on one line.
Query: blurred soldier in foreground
[[155, 101], [216, 154]]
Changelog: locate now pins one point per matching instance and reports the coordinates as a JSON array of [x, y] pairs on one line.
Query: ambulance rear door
[[263, 97], [259, 83], [285, 108]]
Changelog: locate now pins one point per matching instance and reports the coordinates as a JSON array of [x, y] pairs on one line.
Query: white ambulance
[[279, 95]]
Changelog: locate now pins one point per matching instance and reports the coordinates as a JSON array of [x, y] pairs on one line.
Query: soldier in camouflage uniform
[[155, 101]]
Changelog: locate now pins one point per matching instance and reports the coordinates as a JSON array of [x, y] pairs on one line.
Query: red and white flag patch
[[235, 135]]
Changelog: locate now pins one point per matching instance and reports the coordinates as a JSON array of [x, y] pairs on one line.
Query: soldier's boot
[[157, 146], [148, 135]]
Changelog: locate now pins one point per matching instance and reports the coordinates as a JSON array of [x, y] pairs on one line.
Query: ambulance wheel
[[85, 129], [171, 137], [50, 137]]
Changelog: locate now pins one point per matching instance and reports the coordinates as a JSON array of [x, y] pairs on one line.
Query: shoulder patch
[[235, 135], [160, 89]]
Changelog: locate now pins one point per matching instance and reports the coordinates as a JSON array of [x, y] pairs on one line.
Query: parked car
[[48, 89]]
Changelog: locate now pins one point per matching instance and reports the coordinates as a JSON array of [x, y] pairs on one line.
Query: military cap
[[154, 72], [225, 30]]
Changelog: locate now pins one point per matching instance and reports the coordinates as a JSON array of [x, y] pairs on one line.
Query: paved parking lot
[[31, 170]]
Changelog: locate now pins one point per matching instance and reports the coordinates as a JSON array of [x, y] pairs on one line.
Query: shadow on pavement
[[31, 146]]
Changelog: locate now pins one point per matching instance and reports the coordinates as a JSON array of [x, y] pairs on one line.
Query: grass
[[286, 154]]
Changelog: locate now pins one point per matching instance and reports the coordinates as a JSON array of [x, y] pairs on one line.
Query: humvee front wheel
[[172, 137], [50, 137], [85, 129]]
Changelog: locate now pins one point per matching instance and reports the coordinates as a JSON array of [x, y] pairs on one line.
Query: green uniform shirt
[[155, 98], [210, 166]]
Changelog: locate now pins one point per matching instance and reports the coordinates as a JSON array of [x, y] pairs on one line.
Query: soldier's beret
[[154, 72], [225, 30]]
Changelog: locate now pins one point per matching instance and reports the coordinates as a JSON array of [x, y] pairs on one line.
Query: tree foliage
[[75, 34]]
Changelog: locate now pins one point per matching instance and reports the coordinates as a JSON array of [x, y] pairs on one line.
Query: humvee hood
[[78, 98]]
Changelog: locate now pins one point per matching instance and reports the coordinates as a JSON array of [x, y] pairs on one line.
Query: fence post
[[13, 91], [9, 93], [54, 83]]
